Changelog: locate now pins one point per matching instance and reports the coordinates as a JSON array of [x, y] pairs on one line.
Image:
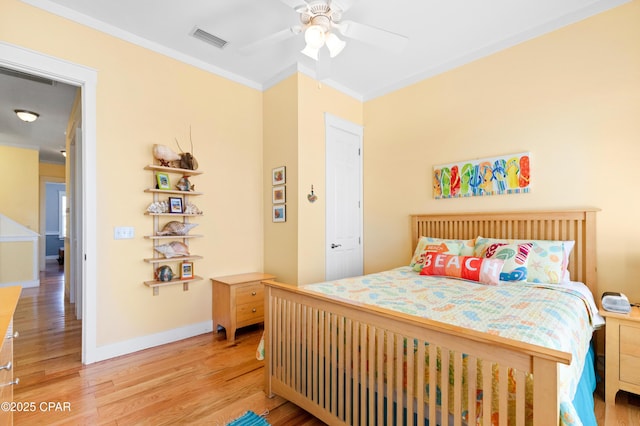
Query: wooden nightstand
[[238, 301], [622, 353]]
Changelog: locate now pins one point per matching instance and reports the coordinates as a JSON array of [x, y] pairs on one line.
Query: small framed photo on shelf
[[278, 176], [186, 270], [279, 213], [175, 205], [279, 195], [163, 180]]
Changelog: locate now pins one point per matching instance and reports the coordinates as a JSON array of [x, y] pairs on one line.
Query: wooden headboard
[[576, 225]]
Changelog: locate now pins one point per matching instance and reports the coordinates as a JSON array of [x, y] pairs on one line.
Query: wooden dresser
[[8, 300], [622, 353], [238, 301]]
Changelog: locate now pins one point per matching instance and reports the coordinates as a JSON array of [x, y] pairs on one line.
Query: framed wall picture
[[175, 205], [278, 176], [163, 180], [279, 195], [504, 174], [186, 270], [279, 213]]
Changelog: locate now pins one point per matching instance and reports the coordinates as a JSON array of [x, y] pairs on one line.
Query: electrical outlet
[[123, 233]]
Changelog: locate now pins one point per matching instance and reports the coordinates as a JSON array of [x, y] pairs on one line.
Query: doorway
[[52, 219], [38, 64]]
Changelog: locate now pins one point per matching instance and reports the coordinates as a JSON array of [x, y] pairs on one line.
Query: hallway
[[47, 325]]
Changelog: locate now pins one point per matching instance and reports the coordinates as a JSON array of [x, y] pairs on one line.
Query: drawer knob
[[15, 334], [7, 366], [253, 293], [11, 383], [253, 310]]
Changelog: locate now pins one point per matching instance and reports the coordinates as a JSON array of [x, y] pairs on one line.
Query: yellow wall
[[281, 149], [294, 120], [16, 262], [52, 170], [145, 98], [571, 98], [19, 190]]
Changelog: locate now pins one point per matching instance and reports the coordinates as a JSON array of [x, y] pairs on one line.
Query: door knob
[[333, 245]]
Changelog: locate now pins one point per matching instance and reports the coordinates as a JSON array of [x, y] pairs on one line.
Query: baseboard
[[23, 284], [145, 342]]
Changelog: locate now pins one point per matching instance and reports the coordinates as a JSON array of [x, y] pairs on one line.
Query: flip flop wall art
[[507, 174]]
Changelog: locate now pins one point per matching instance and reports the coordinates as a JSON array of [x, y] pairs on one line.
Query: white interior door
[[344, 255]]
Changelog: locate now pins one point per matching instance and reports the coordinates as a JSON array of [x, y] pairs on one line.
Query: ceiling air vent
[[26, 76], [209, 38]]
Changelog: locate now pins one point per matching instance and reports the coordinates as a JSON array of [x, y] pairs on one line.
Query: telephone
[[615, 302]]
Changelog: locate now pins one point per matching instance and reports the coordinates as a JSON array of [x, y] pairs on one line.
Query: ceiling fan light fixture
[[314, 36], [311, 52], [334, 44], [26, 116]]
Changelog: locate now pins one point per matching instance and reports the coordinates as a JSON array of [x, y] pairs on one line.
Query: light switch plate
[[123, 232]]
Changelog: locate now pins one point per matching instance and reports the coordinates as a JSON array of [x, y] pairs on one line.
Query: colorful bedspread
[[553, 316]]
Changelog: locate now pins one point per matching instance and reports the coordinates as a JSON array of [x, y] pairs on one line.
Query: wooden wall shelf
[[172, 259], [184, 172], [185, 284], [172, 192], [157, 239]]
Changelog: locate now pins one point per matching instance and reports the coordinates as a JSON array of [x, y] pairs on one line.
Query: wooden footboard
[[349, 364]]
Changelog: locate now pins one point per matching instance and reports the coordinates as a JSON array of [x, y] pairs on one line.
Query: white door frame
[[77, 249], [347, 126], [32, 62]]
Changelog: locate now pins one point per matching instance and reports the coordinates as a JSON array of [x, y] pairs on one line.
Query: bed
[[351, 355]]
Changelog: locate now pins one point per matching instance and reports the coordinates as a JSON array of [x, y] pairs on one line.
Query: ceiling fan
[[321, 22]]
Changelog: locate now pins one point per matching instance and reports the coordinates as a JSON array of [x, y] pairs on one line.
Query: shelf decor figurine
[[176, 228], [165, 155], [158, 207], [164, 273], [184, 184], [187, 160], [173, 249]]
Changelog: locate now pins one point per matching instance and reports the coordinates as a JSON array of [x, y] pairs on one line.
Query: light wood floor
[[202, 380]]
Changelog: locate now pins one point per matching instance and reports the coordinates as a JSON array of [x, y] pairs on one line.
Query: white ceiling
[[441, 35], [52, 100]]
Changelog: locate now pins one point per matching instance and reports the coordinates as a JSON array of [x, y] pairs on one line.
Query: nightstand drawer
[[6, 375], [630, 354], [250, 313], [250, 294], [630, 340], [630, 369]]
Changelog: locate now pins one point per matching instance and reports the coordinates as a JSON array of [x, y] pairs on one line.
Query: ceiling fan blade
[[269, 40], [372, 35], [295, 4], [343, 5]]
